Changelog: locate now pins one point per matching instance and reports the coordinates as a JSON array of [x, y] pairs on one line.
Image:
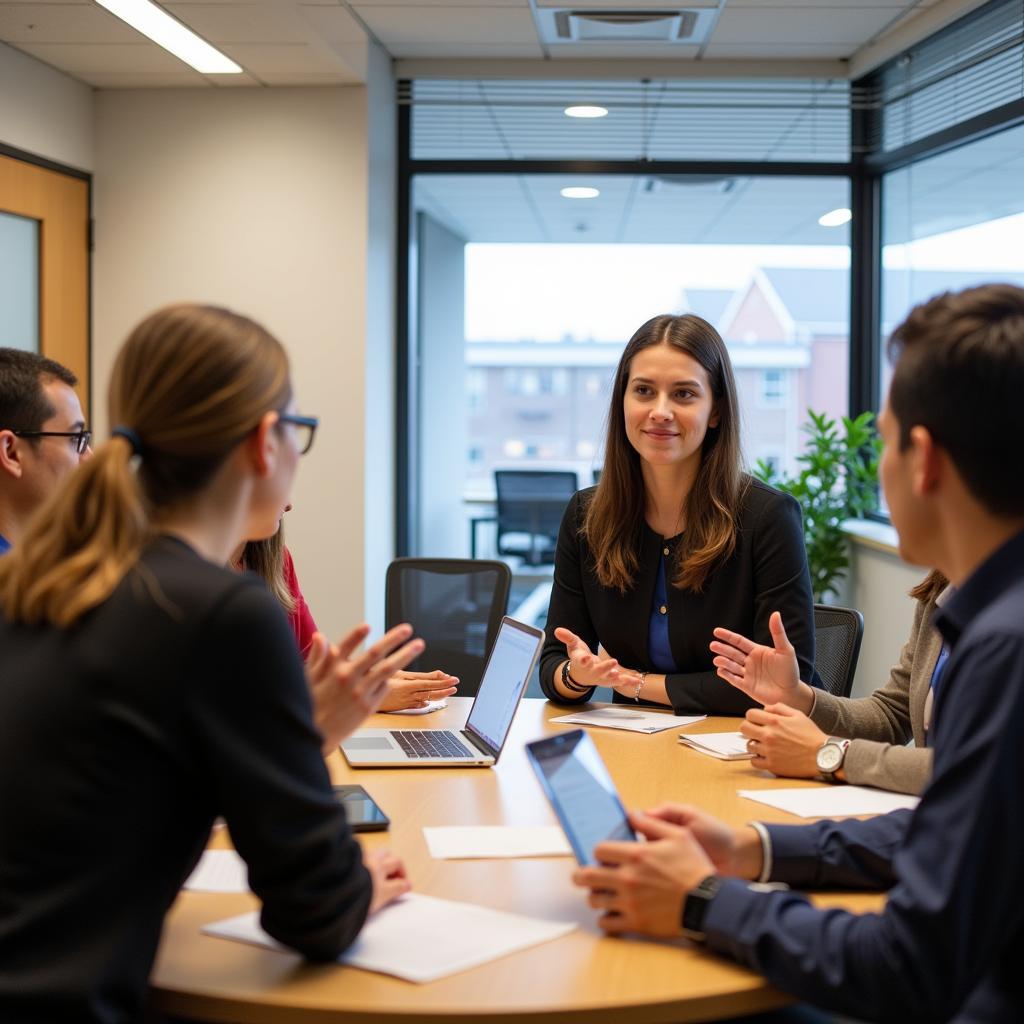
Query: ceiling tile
[[793, 25], [62, 23], [269, 58], [127, 58], [333, 24], [377, 4], [467, 50], [451, 25], [593, 5], [137, 80], [240, 23], [339, 77], [777, 51]]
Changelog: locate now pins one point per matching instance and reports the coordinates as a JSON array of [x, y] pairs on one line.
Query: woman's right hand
[[585, 667], [771, 675], [346, 686], [389, 878]]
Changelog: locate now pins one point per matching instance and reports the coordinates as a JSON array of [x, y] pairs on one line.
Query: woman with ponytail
[[674, 540], [145, 689]]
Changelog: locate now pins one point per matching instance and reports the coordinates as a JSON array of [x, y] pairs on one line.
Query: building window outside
[[774, 388]]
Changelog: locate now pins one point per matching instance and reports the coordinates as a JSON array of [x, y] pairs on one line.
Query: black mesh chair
[[455, 605], [837, 636], [530, 506]]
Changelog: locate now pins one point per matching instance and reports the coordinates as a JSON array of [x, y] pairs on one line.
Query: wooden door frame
[[62, 334]]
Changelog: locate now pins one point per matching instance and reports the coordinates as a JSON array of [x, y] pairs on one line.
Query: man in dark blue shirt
[[42, 435], [950, 942]]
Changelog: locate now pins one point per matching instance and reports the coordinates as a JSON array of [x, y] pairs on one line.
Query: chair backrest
[[837, 637], [532, 502], [455, 605]]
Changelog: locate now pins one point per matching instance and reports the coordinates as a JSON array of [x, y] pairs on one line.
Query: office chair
[[837, 636], [455, 605], [530, 506]]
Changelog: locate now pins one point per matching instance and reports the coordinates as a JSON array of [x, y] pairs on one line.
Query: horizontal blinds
[[764, 120], [974, 66]]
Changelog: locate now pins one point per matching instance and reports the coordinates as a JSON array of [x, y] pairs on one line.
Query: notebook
[[479, 744]]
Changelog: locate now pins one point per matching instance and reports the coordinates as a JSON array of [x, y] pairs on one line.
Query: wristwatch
[[695, 907], [830, 757]]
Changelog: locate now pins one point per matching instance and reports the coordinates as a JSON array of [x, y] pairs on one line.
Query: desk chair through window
[[455, 605], [837, 636], [530, 506]]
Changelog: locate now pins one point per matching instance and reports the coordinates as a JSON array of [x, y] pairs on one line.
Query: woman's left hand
[[415, 689]]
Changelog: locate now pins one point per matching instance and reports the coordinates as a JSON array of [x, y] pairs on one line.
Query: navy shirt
[[659, 647], [950, 943]]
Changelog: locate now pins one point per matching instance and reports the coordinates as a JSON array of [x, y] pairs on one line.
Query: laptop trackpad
[[368, 743]]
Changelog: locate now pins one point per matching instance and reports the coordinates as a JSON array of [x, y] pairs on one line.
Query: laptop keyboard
[[430, 743]]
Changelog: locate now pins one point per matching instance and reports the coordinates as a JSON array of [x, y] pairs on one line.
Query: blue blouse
[[658, 646]]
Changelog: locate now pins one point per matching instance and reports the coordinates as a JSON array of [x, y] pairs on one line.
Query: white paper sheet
[[471, 841], [421, 938], [727, 746], [631, 719], [219, 871], [832, 801], [428, 708]]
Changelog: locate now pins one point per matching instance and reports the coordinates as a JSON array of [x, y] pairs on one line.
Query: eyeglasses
[[305, 429], [83, 438]]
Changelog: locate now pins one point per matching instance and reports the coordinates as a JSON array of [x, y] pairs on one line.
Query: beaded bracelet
[[568, 682], [640, 686]]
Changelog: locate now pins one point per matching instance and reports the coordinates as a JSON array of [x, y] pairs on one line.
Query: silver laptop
[[505, 677]]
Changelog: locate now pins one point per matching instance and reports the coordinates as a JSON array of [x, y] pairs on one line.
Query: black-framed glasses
[[305, 428], [83, 438]]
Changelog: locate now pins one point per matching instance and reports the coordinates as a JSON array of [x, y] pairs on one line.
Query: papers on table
[[631, 719], [421, 938], [832, 801], [219, 871], [428, 708], [727, 746], [471, 841]]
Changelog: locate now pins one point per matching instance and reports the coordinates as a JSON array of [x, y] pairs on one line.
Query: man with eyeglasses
[[42, 436]]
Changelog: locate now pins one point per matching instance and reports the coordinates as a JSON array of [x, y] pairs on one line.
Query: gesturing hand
[[771, 675], [585, 667], [346, 687], [414, 689]]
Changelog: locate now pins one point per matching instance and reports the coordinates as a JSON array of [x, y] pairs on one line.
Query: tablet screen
[[580, 790]]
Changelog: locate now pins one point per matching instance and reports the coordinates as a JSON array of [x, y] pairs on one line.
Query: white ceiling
[[305, 42]]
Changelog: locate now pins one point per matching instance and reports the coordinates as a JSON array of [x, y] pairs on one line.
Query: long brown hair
[[266, 559], [930, 587], [191, 382], [614, 521]]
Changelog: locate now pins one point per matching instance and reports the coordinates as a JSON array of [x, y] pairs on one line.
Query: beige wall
[[258, 199], [45, 112]]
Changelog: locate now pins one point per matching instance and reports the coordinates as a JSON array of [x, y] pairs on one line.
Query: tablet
[[581, 791]]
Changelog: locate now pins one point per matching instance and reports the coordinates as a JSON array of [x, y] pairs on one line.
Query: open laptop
[[506, 674]]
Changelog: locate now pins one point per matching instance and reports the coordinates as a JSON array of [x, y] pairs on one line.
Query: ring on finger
[[751, 745]]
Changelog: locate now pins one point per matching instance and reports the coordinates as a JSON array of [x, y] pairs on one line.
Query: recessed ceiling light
[[580, 192], [169, 33], [586, 111], [835, 218]]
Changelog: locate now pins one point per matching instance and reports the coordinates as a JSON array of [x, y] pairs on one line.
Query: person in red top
[[271, 560]]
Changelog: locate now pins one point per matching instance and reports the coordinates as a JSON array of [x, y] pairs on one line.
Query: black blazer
[[767, 572]]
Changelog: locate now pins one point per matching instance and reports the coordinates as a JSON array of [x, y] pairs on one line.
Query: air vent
[[668, 25]]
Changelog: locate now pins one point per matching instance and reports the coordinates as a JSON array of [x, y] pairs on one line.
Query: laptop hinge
[[479, 744]]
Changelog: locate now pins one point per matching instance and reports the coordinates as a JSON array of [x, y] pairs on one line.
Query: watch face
[[830, 757]]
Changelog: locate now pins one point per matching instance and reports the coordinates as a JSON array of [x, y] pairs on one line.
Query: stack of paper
[[832, 801], [728, 746], [421, 938], [219, 871], [631, 719]]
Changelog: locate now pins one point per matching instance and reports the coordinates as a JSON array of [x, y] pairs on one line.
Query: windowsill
[[874, 535]]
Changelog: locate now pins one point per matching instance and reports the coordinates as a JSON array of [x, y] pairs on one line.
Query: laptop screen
[[505, 677]]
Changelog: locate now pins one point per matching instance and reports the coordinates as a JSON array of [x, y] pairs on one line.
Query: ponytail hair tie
[[130, 436]]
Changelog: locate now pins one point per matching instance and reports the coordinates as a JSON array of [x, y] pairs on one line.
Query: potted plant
[[837, 481]]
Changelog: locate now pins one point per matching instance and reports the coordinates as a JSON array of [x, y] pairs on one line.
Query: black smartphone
[[581, 791], [362, 812]]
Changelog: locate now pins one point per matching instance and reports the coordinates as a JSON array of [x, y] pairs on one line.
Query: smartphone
[[581, 791], [362, 812]]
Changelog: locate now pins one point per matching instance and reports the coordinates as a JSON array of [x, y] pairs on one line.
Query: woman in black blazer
[[674, 540]]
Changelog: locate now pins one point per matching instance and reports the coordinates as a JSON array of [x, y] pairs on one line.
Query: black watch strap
[[695, 907]]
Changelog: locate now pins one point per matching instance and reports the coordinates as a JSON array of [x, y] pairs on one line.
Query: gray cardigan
[[885, 721]]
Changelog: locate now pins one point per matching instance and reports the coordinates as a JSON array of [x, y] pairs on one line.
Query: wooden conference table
[[583, 976]]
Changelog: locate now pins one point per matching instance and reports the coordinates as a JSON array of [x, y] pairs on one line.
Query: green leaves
[[837, 481]]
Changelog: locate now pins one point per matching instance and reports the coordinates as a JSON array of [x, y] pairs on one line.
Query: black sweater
[[767, 572], [182, 697]]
